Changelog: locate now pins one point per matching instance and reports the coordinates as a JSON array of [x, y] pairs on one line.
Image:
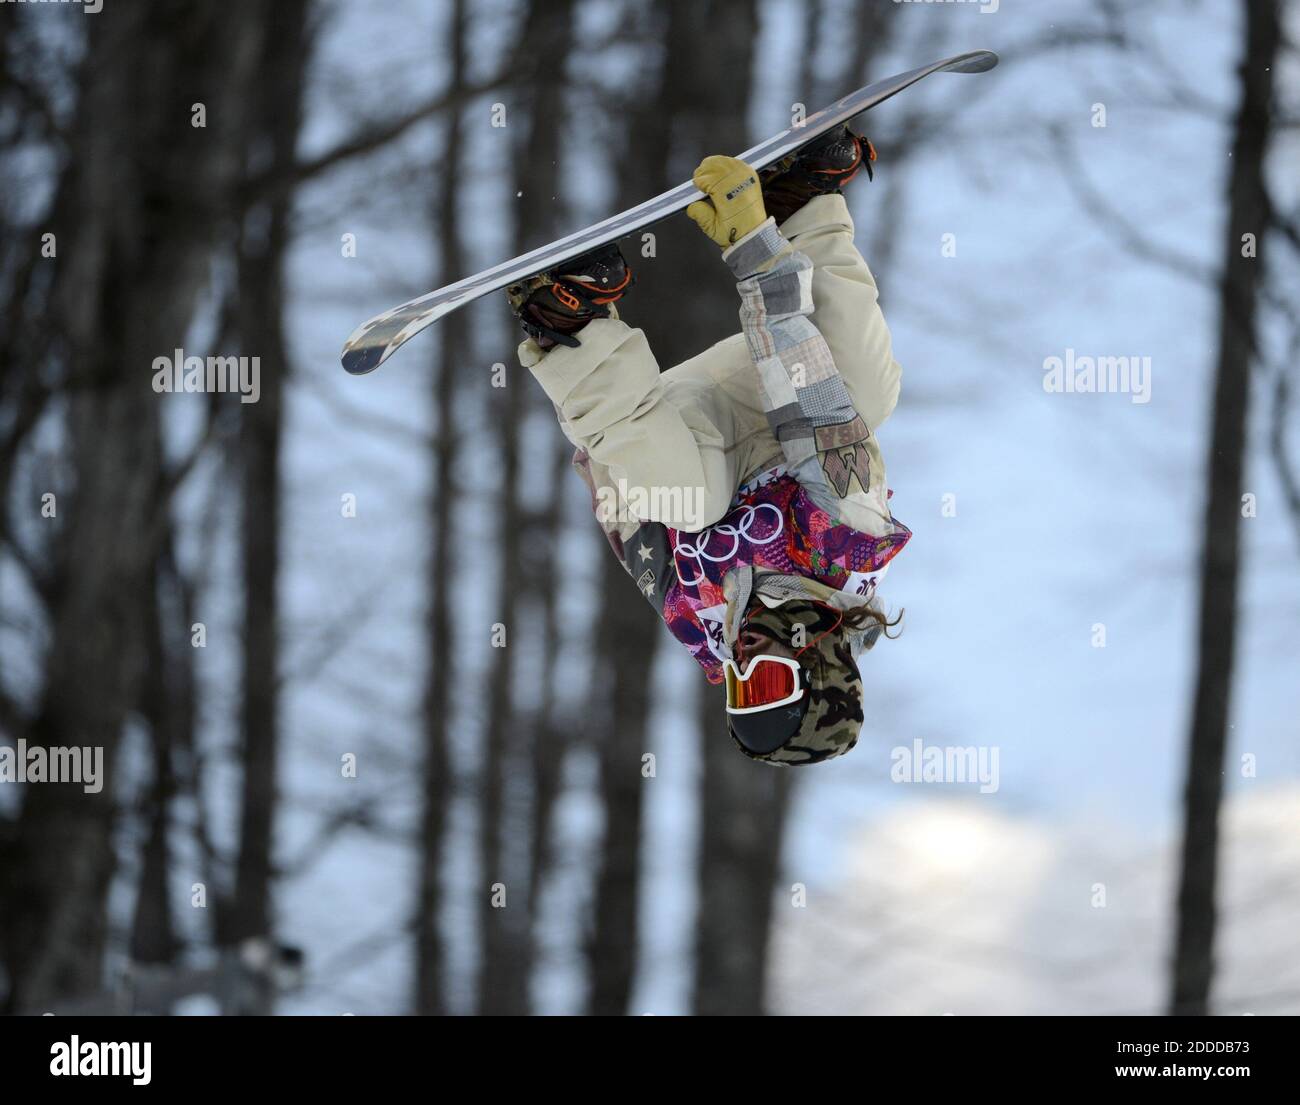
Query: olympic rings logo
[[737, 533]]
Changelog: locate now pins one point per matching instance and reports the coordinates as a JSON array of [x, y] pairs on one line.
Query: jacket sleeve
[[827, 445], [660, 461]]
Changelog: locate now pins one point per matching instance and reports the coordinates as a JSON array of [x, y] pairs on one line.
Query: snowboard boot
[[820, 168], [553, 306]]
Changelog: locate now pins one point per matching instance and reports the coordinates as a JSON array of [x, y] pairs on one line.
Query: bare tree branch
[[1129, 236], [1277, 443]]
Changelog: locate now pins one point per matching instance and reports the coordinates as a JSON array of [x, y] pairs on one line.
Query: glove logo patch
[[747, 182]]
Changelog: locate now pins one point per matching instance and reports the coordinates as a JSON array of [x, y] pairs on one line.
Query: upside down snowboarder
[[764, 557]]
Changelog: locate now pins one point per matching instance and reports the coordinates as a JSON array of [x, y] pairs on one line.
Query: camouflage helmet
[[832, 710]]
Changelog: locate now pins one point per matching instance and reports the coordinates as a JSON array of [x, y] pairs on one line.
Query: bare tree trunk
[[623, 684], [551, 741], [260, 322], [502, 898], [1220, 564], [167, 706], [530, 763], [704, 91], [430, 949], [710, 63], [744, 804], [505, 922], [624, 646]]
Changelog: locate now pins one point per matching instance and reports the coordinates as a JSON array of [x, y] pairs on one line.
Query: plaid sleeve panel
[[807, 403]]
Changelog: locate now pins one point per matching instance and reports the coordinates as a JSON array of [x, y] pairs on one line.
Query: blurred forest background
[[329, 792]]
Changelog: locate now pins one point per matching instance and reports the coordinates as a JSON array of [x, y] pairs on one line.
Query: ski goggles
[[768, 682]]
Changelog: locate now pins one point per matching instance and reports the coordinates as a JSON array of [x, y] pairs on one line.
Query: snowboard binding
[[553, 306], [821, 168]]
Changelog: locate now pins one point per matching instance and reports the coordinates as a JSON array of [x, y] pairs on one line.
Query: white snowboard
[[372, 343]]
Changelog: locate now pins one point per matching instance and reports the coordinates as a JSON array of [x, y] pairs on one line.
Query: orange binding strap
[[565, 297]]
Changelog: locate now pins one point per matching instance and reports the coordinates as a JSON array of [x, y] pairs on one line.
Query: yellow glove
[[735, 203]]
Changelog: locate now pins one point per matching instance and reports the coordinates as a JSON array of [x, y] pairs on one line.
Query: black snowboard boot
[[553, 306], [820, 168]]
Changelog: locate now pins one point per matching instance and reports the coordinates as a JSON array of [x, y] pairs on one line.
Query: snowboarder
[[744, 489]]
